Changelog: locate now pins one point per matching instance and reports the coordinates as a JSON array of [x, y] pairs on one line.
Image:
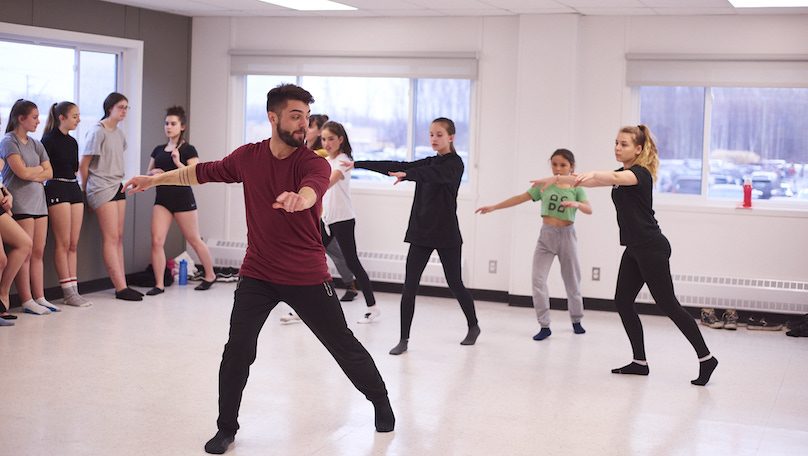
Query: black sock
[[128, 294], [706, 369], [384, 419], [471, 336], [400, 348], [632, 368], [219, 443], [154, 291], [204, 285]]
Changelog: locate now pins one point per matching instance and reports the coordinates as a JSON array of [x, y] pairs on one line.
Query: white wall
[[545, 81]]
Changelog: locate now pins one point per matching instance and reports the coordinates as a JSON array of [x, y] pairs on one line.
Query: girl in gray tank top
[[27, 166], [101, 169]]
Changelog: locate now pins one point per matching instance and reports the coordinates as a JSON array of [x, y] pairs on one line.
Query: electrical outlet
[[492, 266], [595, 274]]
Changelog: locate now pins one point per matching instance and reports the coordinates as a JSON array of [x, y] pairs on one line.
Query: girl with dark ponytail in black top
[[64, 197], [646, 259], [174, 202], [433, 224]]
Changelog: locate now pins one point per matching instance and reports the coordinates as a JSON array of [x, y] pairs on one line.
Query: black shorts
[[120, 195], [175, 198], [57, 192], [27, 216]]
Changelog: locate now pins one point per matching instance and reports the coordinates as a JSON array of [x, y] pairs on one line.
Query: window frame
[[416, 67], [708, 71], [129, 69]]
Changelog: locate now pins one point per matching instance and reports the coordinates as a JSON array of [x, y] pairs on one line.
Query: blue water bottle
[[183, 278]]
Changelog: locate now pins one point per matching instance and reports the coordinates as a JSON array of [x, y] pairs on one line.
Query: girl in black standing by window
[[64, 198]]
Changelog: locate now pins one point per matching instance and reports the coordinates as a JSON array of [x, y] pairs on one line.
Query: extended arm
[[184, 176], [510, 202]]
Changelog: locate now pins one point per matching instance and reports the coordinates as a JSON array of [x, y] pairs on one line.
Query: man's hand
[[291, 202], [138, 184]]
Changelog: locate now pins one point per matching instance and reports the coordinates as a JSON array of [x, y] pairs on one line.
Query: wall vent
[[380, 266], [765, 295]]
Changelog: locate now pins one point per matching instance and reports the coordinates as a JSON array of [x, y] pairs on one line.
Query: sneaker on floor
[[730, 318], [290, 318], [4, 322], [349, 295], [708, 318], [372, 314], [33, 307], [45, 303], [760, 324]]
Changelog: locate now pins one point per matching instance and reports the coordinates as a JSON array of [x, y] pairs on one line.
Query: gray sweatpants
[[333, 250], [562, 242]]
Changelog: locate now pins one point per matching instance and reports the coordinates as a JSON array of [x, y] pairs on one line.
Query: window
[[755, 133], [385, 102], [49, 74]]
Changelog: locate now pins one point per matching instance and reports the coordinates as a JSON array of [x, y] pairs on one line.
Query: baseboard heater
[[763, 295], [380, 266]]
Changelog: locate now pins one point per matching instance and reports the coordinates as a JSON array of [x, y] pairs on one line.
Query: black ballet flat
[[155, 291], [204, 285]]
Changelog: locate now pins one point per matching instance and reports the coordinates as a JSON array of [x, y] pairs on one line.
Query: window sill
[[760, 208]]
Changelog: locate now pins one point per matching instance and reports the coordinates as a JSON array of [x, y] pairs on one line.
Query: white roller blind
[[717, 71], [448, 67]]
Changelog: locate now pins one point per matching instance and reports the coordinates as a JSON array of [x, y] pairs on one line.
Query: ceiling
[[446, 8]]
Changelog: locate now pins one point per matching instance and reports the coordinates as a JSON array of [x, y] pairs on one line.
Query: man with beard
[[284, 182]]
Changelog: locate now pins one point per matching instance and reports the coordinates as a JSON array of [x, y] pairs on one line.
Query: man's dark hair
[[277, 97]]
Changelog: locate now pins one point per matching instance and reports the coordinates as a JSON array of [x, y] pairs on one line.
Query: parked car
[[731, 191]]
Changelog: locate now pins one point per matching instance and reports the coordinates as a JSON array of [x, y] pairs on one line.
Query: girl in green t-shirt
[[559, 204]]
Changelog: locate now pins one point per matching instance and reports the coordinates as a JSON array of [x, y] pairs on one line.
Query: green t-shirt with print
[[552, 197]]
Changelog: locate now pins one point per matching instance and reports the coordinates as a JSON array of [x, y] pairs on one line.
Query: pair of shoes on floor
[[372, 314], [730, 319], [757, 323], [290, 318], [710, 319], [798, 328]]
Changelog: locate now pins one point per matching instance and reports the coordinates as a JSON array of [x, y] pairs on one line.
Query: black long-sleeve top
[[63, 151], [433, 218]]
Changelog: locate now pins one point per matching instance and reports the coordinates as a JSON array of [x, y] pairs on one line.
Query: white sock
[[35, 308], [701, 360], [45, 303], [640, 362]]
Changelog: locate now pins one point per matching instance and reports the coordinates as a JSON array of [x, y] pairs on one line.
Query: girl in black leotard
[[175, 202], [64, 198]]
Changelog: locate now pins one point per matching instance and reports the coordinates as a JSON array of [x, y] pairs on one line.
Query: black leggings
[[417, 259], [649, 263], [319, 308], [344, 233]]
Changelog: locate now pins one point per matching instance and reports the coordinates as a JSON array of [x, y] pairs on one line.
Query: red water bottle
[[747, 192]]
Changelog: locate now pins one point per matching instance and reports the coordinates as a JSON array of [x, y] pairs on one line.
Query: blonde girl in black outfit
[[175, 202], [64, 198], [433, 224], [646, 259]]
